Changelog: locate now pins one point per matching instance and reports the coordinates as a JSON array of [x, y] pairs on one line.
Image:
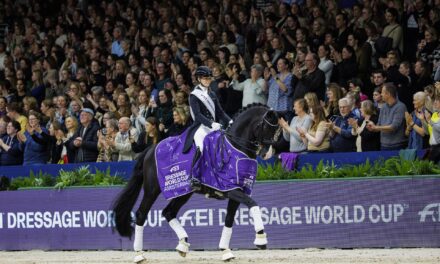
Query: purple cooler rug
[[174, 166], [223, 167]]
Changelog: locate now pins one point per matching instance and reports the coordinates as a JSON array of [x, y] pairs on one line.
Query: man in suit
[[85, 141]]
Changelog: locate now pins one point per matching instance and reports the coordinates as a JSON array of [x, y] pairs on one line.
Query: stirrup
[[183, 247], [261, 241], [227, 255], [139, 257]]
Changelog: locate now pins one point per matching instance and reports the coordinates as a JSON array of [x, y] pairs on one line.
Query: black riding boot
[[195, 183]]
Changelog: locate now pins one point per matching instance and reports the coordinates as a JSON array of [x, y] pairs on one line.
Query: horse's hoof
[[261, 241], [183, 248], [227, 255], [261, 246], [140, 258]]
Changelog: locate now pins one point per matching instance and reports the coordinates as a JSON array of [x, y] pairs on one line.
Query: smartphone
[[333, 118]]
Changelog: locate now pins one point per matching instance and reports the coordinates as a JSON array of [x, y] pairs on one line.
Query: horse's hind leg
[[227, 230], [254, 210], [170, 213], [141, 215]]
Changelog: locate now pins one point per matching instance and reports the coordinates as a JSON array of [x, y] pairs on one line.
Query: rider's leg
[[199, 136], [254, 210]]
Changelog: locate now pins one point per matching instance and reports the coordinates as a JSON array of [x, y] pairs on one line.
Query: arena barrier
[[124, 168], [347, 213]]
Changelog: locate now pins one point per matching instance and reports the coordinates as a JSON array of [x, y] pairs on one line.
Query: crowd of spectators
[[88, 80]]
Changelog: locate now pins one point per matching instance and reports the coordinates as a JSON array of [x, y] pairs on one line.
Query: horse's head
[[254, 130], [266, 133]]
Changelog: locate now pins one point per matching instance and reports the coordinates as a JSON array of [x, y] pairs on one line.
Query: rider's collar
[[203, 88]]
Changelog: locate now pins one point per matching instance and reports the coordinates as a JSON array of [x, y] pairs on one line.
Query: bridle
[[257, 144]]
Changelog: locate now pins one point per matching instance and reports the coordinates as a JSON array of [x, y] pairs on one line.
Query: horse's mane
[[248, 107]]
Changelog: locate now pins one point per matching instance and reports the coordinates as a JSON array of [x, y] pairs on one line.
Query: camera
[[104, 131]]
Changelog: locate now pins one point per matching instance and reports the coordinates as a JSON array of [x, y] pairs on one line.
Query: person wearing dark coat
[[85, 141], [346, 66], [163, 111], [206, 111], [10, 151], [312, 81]]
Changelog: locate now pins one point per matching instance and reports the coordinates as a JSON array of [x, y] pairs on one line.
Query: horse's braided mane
[[249, 106]]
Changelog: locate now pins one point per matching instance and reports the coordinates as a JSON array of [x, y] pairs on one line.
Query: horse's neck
[[242, 138]]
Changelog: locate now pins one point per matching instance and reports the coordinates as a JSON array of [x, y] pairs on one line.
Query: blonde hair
[[311, 99], [182, 113]]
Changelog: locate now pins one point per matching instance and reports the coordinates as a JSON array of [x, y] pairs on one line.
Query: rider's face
[[205, 81]]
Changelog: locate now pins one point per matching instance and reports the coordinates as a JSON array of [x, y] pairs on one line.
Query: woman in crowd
[[414, 127], [317, 137], [71, 125], [393, 29], [130, 81], [38, 88], [10, 150], [311, 100], [431, 123], [139, 112], [345, 65], [366, 140], [331, 107], [29, 104], [181, 121], [148, 137], [34, 152], [107, 151], [301, 120], [122, 108], [54, 142], [325, 64]]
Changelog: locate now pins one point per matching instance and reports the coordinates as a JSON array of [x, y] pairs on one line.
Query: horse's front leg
[[227, 230], [170, 213], [254, 210]]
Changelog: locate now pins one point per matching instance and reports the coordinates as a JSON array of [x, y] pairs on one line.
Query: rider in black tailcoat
[[206, 110]]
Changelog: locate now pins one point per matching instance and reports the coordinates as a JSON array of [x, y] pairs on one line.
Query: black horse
[[252, 132]]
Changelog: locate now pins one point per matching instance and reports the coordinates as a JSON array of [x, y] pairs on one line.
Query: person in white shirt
[[254, 88], [325, 64]]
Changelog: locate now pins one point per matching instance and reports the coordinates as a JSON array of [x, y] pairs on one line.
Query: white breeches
[[200, 135]]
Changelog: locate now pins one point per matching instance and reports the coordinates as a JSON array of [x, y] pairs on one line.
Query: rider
[[206, 112]]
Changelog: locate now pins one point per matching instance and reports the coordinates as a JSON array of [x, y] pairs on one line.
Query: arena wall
[[385, 213]]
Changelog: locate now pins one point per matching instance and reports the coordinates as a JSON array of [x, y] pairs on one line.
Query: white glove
[[216, 126]]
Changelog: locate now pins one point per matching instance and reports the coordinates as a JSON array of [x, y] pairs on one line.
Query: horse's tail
[[128, 197]]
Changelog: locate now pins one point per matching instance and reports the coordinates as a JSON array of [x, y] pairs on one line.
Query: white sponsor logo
[[430, 210]]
